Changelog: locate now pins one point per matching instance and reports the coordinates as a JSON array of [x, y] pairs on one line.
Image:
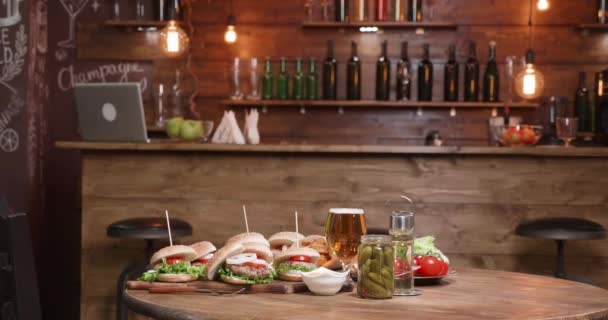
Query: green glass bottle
[[298, 82], [491, 78], [383, 74], [312, 81], [353, 75], [268, 81], [283, 82]]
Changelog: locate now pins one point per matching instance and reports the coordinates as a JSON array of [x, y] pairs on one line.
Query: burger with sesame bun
[[291, 263], [281, 241], [172, 264], [233, 265]]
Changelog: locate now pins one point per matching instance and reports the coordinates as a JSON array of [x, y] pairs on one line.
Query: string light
[[542, 5], [230, 36], [173, 40], [530, 82]]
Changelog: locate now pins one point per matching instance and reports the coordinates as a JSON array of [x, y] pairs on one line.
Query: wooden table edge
[[151, 310]]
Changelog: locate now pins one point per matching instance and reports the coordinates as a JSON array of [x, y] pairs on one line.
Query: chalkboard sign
[[18, 282]]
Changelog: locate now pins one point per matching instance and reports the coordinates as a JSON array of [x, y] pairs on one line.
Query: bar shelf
[[373, 104]]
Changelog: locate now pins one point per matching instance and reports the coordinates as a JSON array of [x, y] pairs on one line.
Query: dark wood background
[[271, 28]]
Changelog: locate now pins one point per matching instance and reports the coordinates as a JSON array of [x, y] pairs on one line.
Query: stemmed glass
[[344, 228], [73, 8], [566, 129]]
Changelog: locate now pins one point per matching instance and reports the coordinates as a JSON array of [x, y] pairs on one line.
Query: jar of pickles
[[376, 259]]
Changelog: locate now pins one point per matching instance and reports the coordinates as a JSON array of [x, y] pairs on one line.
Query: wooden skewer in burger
[[291, 263]]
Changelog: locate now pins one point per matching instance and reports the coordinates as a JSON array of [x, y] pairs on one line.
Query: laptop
[[110, 112]]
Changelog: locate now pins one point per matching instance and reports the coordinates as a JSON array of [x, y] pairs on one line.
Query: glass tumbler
[[236, 93]]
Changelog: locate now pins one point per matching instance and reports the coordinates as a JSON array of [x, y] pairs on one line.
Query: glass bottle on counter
[[177, 97], [312, 80], [383, 74], [353, 75], [451, 76], [471, 75], [330, 74], [341, 10], [425, 76], [360, 8], [283, 81], [581, 104], [235, 80], [414, 10], [404, 77], [381, 10], [491, 78], [267, 81], [254, 81], [298, 82], [402, 232]]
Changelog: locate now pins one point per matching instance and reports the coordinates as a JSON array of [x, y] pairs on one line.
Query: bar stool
[[561, 230], [148, 229]]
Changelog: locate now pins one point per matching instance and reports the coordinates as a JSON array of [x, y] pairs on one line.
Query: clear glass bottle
[[376, 261], [116, 10], [236, 92], [254, 81], [140, 10], [402, 232], [160, 100], [178, 99]]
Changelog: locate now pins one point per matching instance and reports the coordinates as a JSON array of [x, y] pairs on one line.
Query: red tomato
[[430, 266], [203, 261], [301, 259], [254, 265], [445, 270], [171, 261], [401, 269]]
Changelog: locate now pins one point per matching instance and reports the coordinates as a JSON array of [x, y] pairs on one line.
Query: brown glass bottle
[[383, 74], [451, 75]]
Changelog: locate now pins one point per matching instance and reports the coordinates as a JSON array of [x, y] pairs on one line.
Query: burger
[[319, 243], [172, 264], [233, 265], [292, 262], [249, 238], [281, 241], [204, 251]]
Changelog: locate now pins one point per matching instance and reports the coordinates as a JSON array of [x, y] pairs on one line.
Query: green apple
[[191, 130], [174, 126]]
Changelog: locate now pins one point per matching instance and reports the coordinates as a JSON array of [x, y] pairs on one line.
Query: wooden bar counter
[[470, 198]]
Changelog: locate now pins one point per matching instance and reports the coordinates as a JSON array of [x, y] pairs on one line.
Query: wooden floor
[[471, 203]]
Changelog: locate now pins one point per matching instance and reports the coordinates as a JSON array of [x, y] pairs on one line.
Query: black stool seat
[[148, 228], [561, 229]]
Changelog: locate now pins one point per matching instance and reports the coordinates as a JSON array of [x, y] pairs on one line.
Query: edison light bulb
[[529, 83], [173, 40], [230, 35], [542, 5]]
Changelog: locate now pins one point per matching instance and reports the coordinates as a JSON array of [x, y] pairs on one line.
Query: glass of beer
[[344, 228]]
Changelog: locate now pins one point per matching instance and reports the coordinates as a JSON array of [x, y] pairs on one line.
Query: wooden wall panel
[[273, 28]]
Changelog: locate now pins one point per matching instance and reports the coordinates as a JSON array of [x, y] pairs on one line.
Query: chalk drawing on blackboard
[[73, 9], [9, 140], [95, 5], [14, 64], [61, 54], [12, 14]]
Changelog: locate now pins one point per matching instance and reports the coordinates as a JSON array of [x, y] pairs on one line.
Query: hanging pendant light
[[230, 36], [542, 5], [530, 82], [173, 39]]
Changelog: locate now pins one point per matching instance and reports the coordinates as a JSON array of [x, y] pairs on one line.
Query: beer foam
[[346, 211]]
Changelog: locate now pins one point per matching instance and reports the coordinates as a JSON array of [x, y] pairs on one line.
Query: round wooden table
[[469, 294]]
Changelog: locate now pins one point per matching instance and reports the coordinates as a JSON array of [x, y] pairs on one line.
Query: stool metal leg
[[149, 250], [560, 271], [121, 309]]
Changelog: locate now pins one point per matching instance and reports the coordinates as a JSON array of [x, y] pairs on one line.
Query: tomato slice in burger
[[254, 265], [301, 259], [171, 261], [203, 261]]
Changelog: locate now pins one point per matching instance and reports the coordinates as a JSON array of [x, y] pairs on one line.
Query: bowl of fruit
[[516, 136]]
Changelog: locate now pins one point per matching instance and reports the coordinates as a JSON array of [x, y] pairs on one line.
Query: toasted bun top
[[203, 248], [286, 255], [185, 252], [251, 237], [284, 238], [220, 257], [262, 251]]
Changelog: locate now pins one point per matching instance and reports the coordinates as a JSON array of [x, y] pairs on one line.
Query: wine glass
[[73, 8], [566, 129], [344, 228]]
